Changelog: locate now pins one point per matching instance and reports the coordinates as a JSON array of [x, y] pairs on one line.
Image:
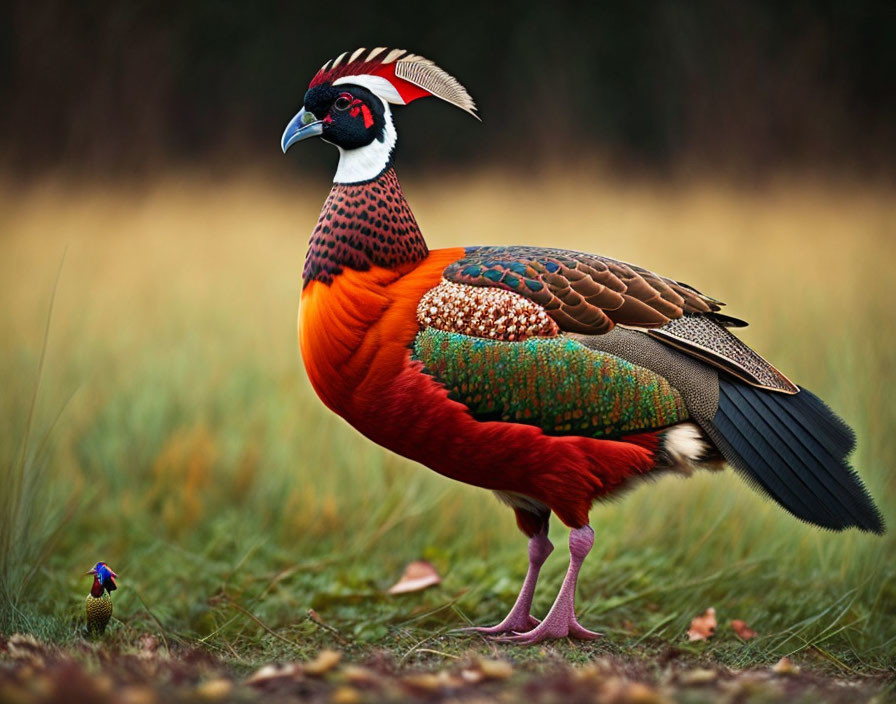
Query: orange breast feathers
[[354, 333]]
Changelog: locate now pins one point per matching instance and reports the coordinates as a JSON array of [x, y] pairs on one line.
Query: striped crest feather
[[411, 76]]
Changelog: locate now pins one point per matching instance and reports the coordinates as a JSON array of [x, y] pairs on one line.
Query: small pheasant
[[552, 377], [99, 601]]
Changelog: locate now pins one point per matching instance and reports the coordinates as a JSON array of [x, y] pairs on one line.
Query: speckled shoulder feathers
[[484, 312]]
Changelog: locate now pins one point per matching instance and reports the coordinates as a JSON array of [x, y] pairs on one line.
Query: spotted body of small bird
[[99, 601], [554, 378]]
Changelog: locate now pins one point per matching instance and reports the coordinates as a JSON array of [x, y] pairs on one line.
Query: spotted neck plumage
[[363, 225]]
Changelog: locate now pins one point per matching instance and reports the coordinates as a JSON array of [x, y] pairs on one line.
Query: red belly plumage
[[355, 335]]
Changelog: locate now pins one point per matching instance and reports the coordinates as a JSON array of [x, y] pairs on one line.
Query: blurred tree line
[[118, 88]]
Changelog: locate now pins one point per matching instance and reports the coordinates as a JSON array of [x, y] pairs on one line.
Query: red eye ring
[[344, 101]]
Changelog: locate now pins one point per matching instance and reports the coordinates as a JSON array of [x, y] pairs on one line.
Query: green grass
[[191, 454]]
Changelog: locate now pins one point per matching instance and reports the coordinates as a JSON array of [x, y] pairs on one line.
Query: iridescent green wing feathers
[[583, 293], [554, 383]]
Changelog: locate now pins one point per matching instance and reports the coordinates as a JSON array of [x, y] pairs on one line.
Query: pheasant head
[[103, 579], [348, 104]]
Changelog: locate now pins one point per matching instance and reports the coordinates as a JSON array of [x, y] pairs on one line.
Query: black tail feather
[[794, 448]]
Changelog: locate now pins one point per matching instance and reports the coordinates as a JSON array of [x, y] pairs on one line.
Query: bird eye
[[343, 102]]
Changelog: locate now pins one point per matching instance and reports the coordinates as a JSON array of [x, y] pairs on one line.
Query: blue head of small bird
[[103, 579]]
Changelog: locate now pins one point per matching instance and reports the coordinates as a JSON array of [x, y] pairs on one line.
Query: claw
[[515, 638], [506, 626], [576, 630]]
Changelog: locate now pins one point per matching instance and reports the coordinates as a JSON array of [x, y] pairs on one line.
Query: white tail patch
[[686, 447]]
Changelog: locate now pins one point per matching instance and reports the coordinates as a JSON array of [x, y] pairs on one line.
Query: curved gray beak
[[302, 126]]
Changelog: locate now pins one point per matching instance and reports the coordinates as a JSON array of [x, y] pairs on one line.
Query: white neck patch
[[366, 163]]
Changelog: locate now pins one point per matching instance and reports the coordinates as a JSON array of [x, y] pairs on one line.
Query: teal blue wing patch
[[555, 383]]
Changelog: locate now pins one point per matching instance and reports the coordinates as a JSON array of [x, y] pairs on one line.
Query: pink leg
[[561, 619], [519, 618]]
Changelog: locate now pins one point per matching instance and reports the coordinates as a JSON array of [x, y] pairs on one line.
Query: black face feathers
[[352, 116]]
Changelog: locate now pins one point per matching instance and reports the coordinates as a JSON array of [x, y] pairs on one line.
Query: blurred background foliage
[[113, 88]]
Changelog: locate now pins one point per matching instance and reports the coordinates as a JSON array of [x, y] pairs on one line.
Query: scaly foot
[[561, 619], [552, 628]]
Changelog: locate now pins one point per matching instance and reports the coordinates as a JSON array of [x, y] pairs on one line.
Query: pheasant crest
[[396, 76]]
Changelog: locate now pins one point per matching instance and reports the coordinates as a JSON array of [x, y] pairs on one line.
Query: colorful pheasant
[[552, 377], [99, 601]]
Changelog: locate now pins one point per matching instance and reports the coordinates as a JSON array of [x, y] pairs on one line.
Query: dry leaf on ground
[[704, 626], [325, 661], [269, 673], [214, 690], [699, 675], [422, 681], [346, 695], [742, 630], [785, 667], [495, 669], [417, 576]]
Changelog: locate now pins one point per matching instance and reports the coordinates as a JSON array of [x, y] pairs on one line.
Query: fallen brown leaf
[[472, 676], [743, 631], [268, 673], [640, 693], [785, 667], [325, 661], [495, 669], [356, 674], [704, 626], [425, 681], [214, 690], [697, 676], [417, 576], [345, 695]]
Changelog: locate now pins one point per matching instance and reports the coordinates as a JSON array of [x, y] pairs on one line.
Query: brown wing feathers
[[583, 293]]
